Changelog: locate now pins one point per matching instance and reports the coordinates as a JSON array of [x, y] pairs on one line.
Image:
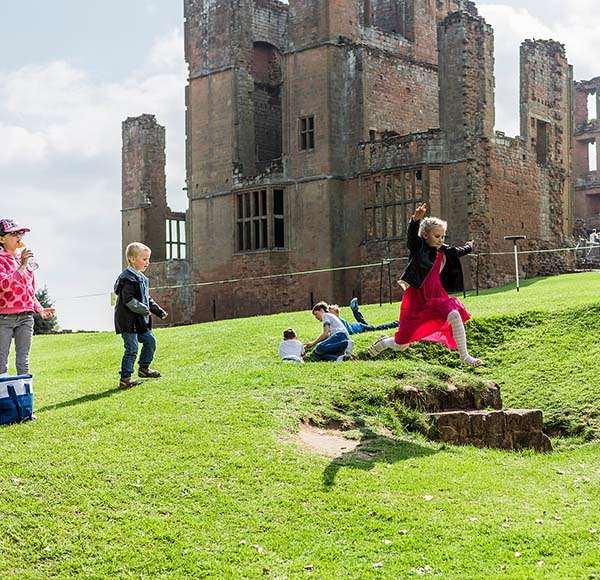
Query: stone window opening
[[388, 16], [278, 219], [307, 133], [175, 240], [260, 220], [267, 104], [390, 202], [592, 156], [592, 106], [542, 141]]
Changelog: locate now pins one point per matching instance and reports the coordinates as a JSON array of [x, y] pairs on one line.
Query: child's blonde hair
[[135, 249], [428, 223]]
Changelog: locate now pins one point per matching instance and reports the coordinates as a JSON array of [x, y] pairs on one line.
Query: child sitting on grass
[[427, 311], [132, 315], [291, 349], [331, 344]]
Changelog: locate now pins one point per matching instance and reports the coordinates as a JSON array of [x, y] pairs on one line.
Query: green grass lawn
[[198, 474]]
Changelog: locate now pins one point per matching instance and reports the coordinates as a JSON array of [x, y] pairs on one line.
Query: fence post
[[381, 282], [514, 240], [389, 265]]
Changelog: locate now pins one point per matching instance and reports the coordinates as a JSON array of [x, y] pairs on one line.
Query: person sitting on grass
[[361, 325], [291, 349], [132, 315], [331, 344]]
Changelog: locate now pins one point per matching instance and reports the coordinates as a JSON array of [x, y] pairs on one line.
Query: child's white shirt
[[291, 349], [334, 323]]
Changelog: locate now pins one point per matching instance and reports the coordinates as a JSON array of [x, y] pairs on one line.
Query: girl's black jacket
[[131, 314], [422, 257]]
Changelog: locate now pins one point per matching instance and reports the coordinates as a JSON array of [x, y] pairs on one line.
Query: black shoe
[[148, 373], [127, 383]]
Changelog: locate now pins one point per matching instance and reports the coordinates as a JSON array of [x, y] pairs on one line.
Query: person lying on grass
[[427, 311], [361, 325], [332, 343]]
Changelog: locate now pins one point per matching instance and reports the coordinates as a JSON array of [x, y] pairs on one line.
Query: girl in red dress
[[427, 312]]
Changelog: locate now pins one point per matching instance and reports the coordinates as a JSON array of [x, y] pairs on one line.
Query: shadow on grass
[[374, 448], [80, 400]]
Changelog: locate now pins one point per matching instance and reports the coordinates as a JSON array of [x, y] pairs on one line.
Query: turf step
[[452, 398], [512, 429]]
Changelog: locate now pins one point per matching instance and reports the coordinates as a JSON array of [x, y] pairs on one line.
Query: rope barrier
[[380, 264]]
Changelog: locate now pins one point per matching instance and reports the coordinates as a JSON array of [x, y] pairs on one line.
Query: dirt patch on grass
[[327, 441]]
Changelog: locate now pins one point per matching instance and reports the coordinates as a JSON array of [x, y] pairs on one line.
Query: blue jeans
[[358, 327], [361, 325], [332, 347], [130, 342]]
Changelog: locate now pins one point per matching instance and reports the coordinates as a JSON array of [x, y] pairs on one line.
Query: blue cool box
[[16, 399]]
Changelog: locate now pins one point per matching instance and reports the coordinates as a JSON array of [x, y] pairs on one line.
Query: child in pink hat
[[17, 296]]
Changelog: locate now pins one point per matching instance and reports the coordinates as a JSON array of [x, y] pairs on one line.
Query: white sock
[[460, 336]]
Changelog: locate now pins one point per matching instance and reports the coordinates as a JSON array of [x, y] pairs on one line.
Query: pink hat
[[7, 226]]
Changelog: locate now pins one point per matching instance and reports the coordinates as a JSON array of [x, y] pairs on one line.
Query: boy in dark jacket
[[132, 315]]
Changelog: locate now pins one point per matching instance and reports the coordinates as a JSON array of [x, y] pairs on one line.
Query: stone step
[[513, 429], [453, 398]]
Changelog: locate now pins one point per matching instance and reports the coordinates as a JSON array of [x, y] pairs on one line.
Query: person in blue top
[[133, 315], [361, 325]]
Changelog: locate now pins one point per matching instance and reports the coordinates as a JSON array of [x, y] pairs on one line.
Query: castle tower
[[546, 125], [144, 201], [466, 80]]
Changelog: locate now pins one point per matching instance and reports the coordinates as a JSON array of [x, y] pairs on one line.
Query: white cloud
[[60, 166], [20, 143]]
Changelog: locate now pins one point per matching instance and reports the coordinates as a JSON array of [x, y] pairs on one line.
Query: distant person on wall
[[17, 296], [361, 325], [433, 270], [332, 343], [133, 312]]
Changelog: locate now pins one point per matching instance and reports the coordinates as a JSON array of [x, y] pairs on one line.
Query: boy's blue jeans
[[332, 347], [130, 342], [358, 327]]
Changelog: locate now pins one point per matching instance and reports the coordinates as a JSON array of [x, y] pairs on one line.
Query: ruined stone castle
[[313, 130]]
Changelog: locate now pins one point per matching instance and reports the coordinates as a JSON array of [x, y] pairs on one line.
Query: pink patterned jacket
[[17, 289]]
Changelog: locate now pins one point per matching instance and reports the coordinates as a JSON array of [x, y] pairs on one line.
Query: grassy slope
[[195, 474]]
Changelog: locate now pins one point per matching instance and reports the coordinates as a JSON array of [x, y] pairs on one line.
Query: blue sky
[[72, 70]]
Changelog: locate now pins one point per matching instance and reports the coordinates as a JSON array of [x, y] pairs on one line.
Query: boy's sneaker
[[354, 304], [378, 346], [127, 383], [148, 373]]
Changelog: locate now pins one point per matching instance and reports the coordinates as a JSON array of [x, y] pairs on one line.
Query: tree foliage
[[41, 326]]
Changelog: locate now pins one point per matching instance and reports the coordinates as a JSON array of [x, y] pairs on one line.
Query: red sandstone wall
[[302, 98], [210, 138], [399, 95]]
